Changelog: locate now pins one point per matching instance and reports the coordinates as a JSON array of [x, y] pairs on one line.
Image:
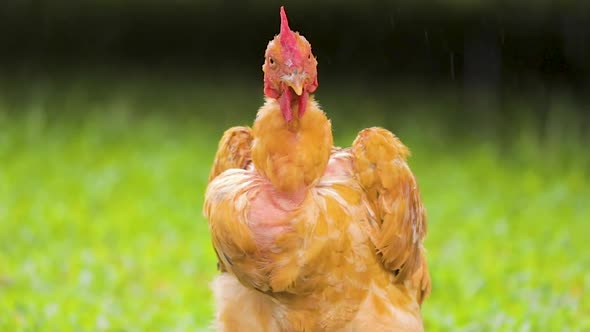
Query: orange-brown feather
[[293, 155], [381, 167], [233, 151]]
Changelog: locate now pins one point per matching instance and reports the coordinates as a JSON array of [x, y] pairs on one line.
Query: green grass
[[101, 186]]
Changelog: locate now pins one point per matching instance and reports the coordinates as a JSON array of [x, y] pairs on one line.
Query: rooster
[[311, 237]]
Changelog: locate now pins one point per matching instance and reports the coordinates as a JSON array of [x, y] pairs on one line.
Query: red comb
[[288, 40]]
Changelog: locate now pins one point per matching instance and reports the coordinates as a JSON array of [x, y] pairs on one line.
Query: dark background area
[[531, 48]]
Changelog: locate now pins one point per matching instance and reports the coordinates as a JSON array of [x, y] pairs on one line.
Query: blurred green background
[[110, 114]]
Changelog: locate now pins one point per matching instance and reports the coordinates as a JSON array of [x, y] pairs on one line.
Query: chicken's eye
[[271, 61], [309, 56]]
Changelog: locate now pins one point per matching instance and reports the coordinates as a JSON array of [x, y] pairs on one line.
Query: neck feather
[[292, 155]]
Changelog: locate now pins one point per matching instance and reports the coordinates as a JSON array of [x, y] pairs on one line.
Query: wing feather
[[226, 208], [379, 160], [233, 151]]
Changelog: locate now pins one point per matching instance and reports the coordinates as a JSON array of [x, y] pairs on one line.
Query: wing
[[233, 151], [226, 209], [379, 160]]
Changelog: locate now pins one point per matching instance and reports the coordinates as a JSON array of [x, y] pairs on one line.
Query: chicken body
[[303, 261]]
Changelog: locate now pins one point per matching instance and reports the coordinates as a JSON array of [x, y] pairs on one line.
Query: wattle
[[285, 103]]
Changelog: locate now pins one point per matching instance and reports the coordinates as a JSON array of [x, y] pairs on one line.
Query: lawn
[[101, 186]]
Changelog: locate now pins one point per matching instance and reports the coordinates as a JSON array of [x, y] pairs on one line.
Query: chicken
[[312, 237]]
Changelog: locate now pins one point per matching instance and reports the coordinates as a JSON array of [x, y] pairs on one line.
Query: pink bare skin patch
[[338, 167], [270, 210]]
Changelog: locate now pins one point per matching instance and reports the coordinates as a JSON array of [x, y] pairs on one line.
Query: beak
[[295, 80]]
